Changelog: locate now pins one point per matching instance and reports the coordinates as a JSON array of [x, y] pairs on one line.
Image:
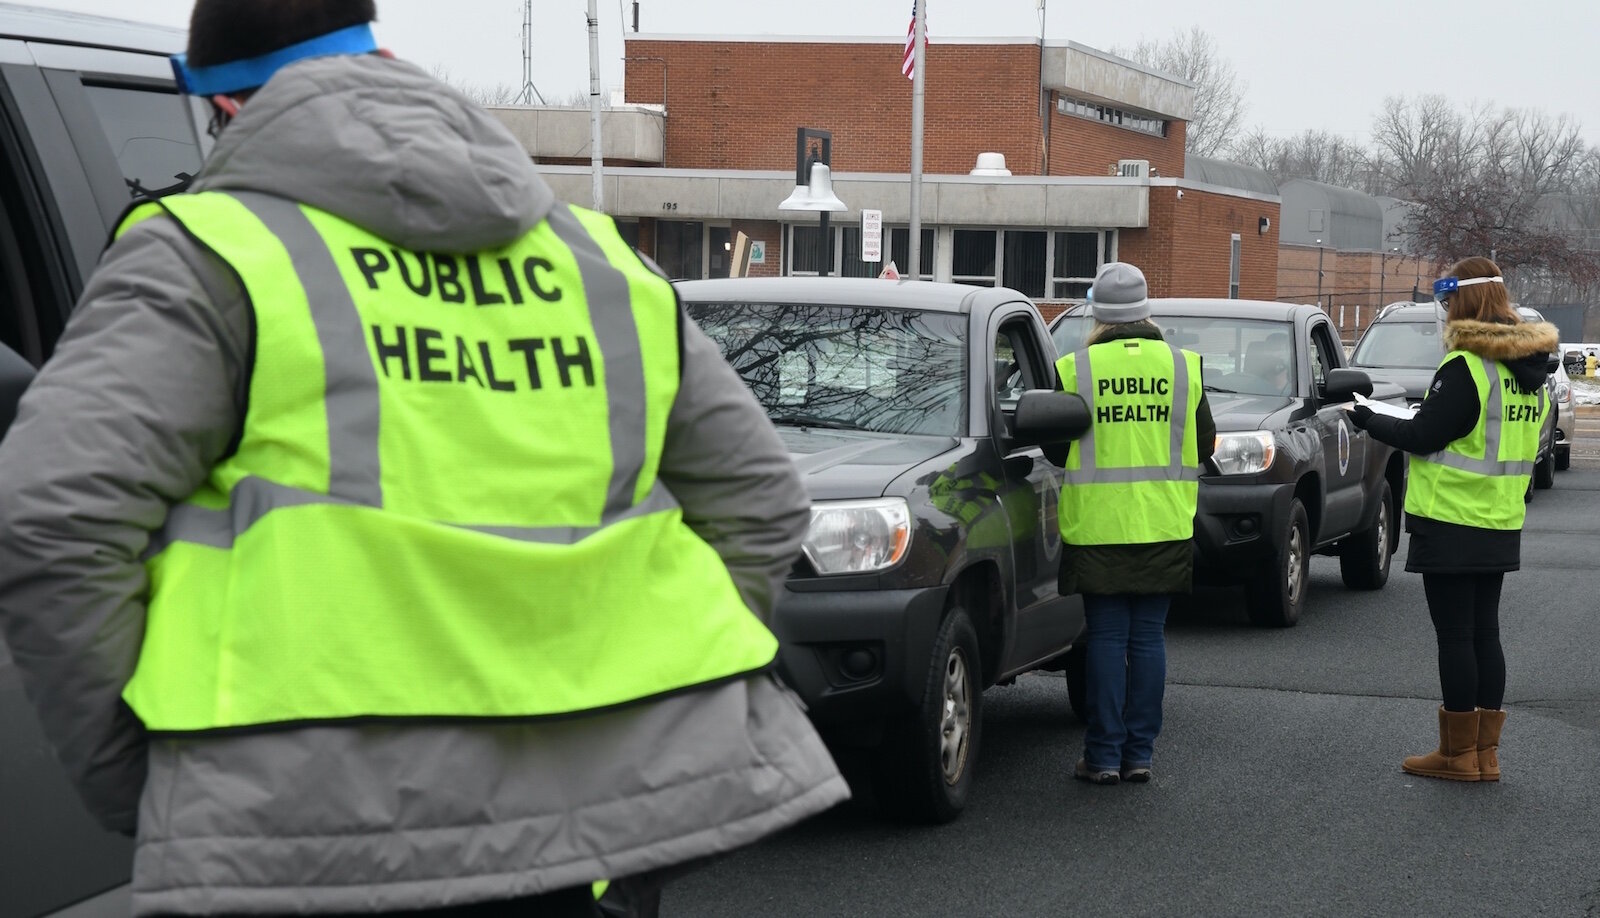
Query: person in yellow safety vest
[[373, 539], [1473, 443], [1127, 515]]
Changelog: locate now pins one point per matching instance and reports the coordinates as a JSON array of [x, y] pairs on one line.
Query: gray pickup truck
[[930, 569]]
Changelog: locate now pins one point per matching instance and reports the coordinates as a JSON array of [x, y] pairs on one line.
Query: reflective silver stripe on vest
[[351, 383], [611, 313], [353, 405], [1492, 423], [1088, 471]]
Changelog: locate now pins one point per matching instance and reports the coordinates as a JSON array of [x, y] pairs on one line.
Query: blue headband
[[237, 76], [1445, 286]]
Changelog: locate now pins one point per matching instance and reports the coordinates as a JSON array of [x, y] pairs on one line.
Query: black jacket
[[1449, 413], [1155, 567]]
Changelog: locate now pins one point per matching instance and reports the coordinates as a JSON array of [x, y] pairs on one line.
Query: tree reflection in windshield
[[887, 370]]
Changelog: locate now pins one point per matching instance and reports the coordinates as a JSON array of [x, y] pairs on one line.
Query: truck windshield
[[1246, 356], [1411, 345], [846, 367]]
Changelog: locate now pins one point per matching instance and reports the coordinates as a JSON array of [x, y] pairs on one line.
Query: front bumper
[[857, 656], [1237, 526]]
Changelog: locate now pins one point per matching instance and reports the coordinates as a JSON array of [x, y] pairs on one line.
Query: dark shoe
[[1136, 774], [1095, 775]]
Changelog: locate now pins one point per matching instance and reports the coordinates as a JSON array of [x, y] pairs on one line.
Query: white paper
[[1383, 408]]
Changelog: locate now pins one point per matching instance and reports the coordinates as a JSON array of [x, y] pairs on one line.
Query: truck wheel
[[1544, 473], [925, 770], [1077, 680], [1275, 600], [1364, 557]]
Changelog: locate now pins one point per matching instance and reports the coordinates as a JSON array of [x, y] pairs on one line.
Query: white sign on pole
[[758, 252], [872, 235]]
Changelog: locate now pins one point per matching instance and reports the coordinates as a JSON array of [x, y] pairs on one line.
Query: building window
[[804, 251], [972, 259], [1078, 257], [1023, 261], [1233, 268], [1124, 118], [900, 251], [680, 248]]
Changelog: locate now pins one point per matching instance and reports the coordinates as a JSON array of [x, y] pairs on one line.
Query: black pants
[[1466, 618]]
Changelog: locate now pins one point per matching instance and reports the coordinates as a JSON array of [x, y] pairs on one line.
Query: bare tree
[[1320, 156], [1219, 95], [482, 94], [1484, 181]]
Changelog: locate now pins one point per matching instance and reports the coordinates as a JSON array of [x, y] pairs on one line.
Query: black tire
[[1544, 471], [925, 770], [1364, 558], [1077, 680], [1563, 459], [1277, 598]]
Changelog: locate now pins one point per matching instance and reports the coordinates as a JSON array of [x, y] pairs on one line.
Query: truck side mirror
[[15, 375], [1048, 418], [1343, 384], [1553, 364]]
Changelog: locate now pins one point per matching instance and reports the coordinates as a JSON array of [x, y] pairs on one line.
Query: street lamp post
[[813, 184], [1319, 275]]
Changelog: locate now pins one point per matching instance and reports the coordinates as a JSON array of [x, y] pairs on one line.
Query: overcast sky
[[1327, 66]]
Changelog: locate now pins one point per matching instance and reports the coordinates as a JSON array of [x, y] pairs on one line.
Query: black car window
[[1323, 355], [1407, 345], [152, 134], [1071, 331], [1248, 356], [849, 367], [1018, 366]]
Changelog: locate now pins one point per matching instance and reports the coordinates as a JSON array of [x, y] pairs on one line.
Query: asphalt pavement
[[1278, 788]]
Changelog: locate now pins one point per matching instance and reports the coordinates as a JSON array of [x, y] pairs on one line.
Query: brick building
[[702, 148]]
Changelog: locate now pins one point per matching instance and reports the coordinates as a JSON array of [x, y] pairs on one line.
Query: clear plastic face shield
[[219, 83], [1444, 287]]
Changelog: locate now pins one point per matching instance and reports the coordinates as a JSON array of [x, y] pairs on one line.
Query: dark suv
[[89, 119]]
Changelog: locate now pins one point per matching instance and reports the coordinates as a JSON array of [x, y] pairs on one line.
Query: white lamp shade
[[818, 196]]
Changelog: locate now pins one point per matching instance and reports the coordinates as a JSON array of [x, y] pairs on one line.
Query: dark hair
[[221, 31]]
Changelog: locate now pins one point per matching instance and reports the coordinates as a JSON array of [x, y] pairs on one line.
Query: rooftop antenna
[[529, 91]]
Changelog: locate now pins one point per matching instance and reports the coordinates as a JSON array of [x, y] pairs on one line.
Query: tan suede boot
[[1456, 759], [1489, 723]]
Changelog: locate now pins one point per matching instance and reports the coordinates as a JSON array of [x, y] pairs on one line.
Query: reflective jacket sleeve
[[138, 401], [724, 463], [1448, 413]]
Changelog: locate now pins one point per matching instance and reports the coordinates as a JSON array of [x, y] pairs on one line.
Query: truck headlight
[[857, 536], [1244, 453], [1563, 392]]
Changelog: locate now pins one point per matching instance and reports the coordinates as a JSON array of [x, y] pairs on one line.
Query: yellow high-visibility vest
[[1480, 479], [444, 501], [1134, 477]]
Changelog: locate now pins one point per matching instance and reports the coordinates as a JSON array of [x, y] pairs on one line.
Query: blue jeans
[[1126, 669]]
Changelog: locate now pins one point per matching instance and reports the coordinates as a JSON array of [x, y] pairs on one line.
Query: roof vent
[[991, 164]]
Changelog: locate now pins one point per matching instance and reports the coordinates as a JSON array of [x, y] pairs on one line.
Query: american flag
[[908, 61]]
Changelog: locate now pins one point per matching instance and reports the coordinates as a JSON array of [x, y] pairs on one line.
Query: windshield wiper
[[1210, 388], [812, 420]]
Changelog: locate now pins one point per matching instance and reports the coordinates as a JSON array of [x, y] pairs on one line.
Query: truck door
[[1344, 448], [1030, 495]]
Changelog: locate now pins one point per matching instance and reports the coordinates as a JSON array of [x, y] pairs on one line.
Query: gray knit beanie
[[1119, 294]]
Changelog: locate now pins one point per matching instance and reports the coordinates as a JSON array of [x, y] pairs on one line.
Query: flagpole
[[914, 265]]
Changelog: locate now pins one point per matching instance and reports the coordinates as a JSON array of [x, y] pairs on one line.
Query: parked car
[[89, 118], [1291, 475], [1563, 411], [1403, 346], [930, 569]]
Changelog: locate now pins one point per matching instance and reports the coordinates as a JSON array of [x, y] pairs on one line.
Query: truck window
[[1017, 364], [152, 133], [1323, 356]]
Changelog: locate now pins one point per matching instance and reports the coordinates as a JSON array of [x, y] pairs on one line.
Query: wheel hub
[[955, 725]]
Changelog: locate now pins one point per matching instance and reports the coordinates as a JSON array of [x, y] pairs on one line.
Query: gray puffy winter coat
[[145, 392]]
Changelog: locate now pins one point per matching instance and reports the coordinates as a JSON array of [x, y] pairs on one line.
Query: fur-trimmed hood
[[1524, 347]]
